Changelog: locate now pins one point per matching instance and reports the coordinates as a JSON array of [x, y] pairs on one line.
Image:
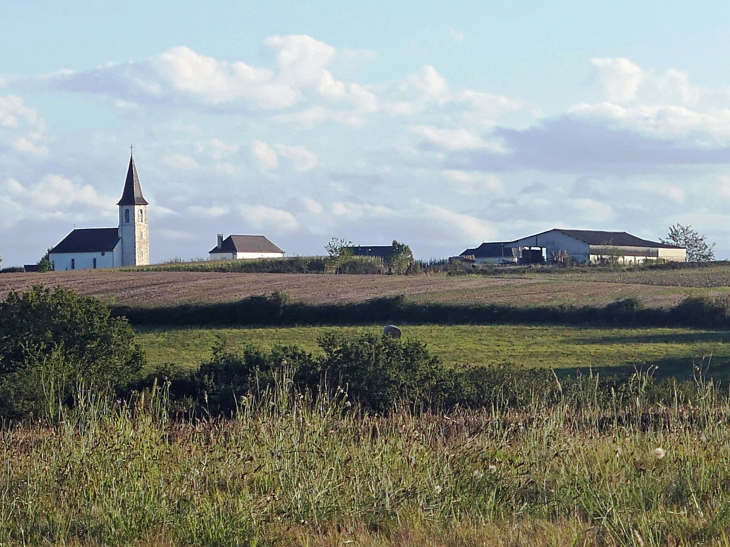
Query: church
[[126, 245]]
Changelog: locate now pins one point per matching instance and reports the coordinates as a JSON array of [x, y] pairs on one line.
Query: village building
[[491, 253], [241, 247], [594, 246], [125, 245], [583, 246], [378, 251]]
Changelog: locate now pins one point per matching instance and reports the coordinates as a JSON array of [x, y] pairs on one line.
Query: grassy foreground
[[290, 471], [674, 350]]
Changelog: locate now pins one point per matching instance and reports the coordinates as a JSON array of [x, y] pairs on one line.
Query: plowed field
[[168, 288]]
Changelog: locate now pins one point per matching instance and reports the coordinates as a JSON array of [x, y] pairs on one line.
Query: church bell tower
[[133, 229]]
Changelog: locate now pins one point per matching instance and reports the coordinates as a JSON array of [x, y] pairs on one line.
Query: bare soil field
[[143, 289]]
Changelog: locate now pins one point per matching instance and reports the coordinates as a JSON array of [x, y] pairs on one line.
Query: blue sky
[[438, 124]]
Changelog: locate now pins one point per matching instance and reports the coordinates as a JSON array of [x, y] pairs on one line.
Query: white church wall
[[85, 261]]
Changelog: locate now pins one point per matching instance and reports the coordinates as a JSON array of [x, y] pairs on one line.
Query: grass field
[[673, 350], [290, 471]]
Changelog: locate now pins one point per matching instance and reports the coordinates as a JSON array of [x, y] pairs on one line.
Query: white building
[[236, 247], [126, 245], [594, 246]]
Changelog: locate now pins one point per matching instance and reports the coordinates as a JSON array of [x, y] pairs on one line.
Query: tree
[[52, 341], [44, 264], [697, 248], [400, 258], [339, 248]]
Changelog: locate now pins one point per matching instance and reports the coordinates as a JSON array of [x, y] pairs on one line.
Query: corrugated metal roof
[[132, 194], [246, 244], [622, 239], [89, 240]]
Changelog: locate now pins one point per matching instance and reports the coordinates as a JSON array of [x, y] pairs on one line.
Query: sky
[[439, 124]]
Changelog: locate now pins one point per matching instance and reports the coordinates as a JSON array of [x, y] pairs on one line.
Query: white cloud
[[474, 182], [666, 120], [471, 227], [672, 192], [55, 196], [312, 206], [456, 35], [355, 211], [415, 92], [262, 217], [303, 159], [454, 139], [220, 81], [592, 209], [265, 155], [179, 161], [20, 126], [619, 78], [208, 212]]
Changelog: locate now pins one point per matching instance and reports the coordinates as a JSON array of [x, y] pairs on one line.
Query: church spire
[[132, 194]]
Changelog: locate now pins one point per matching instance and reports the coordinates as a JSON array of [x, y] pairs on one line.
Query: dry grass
[[170, 288], [291, 471]]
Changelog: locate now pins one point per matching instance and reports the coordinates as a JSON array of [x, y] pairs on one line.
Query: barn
[[594, 246]]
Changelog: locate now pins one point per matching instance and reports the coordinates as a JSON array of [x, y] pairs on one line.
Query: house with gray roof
[[125, 245], [242, 247]]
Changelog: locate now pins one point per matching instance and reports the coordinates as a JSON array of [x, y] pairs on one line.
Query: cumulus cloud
[[262, 217], [180, 161], [454, 139], [303, 159], [619, 78], [313, 206], [20, 126], [220, 81], [208, 212], [472, 228], [265, 156], [474, 183], [53, 196]]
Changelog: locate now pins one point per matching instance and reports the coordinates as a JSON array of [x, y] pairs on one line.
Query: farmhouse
[[592, 246], [125, 245], [237, 247], [491, 253]]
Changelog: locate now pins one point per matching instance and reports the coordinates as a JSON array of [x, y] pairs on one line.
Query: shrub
[[52, 341], [378, 372]]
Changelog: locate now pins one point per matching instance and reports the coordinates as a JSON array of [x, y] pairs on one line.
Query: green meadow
[[605, 350]]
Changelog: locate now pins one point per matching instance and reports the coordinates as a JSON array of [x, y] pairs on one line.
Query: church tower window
[[126, 216]]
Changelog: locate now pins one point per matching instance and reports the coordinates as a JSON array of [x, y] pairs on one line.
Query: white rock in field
[[392, 331]]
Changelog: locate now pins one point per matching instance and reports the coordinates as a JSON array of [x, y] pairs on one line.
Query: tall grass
[[295, 469]]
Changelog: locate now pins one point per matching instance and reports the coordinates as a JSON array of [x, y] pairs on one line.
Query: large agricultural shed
[[585, 246]]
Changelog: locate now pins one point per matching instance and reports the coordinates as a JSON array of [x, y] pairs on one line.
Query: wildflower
[[477, 474], [492, 468], [438, 489], [659, 453]]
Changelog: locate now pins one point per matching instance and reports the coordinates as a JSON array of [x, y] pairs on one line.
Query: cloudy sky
[[440, 124]]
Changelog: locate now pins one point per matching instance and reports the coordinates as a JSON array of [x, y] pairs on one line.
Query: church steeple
[[132, 194], [133, 227]]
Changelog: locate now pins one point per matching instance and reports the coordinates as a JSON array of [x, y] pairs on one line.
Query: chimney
[[220, 241]]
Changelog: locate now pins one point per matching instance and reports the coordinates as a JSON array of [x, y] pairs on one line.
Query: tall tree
[[698, 250]]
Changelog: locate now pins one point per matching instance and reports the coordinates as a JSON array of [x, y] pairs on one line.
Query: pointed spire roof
[[132, 194]]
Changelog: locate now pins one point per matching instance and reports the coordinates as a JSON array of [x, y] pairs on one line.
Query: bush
[[53, 341], [378, 372]]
